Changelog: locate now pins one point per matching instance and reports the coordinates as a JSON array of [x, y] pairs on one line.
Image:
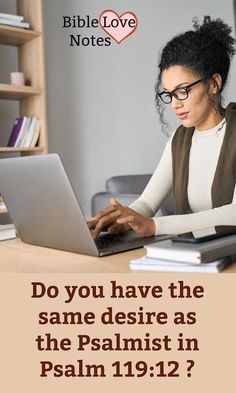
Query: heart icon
[[118, 27]]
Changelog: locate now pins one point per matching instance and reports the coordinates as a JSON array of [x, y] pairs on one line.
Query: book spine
[[195, 256], [219, 252], [20, 134], [15, 23], [15, 132], [11, 16], [36, 133], [30, 132], [25, 132]]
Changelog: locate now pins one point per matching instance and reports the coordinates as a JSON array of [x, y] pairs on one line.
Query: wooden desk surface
[[18, 257]]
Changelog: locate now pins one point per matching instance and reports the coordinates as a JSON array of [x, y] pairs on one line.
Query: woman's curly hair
[[206, 50]]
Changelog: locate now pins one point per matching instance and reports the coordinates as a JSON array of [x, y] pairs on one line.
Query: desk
[[18, 257]]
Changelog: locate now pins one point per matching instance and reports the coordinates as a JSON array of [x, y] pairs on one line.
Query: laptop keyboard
[[105, 241]]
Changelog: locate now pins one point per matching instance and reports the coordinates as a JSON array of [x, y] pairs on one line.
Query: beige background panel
[[215, 330]]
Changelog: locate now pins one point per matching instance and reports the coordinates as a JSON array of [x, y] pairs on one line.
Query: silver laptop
[[45, 210]]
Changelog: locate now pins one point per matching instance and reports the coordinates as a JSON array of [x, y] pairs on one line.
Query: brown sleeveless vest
[[225, 175]]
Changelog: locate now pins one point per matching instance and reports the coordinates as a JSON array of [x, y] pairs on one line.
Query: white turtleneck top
[[204, 154]]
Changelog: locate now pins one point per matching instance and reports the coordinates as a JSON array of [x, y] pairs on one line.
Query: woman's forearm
[[176, 224]]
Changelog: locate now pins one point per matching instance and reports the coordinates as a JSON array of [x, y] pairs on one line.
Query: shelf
[[21, 149], [3, 210], [16, 36], [12, 92]]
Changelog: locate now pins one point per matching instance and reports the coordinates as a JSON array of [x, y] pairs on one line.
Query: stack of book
[[7, 232], [25, 132], [207, 257], [13, 20]]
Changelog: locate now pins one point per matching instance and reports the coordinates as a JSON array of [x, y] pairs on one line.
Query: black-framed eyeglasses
[[181, 93]]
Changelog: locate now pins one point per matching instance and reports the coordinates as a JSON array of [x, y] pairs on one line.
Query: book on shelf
[[15, 132], [33, 133], [36, 133], [20, 133], [7, 232], [11, 16], [2, 204], [153, 264], [193, 253], [25, 132], [14, 22], [3, 208]]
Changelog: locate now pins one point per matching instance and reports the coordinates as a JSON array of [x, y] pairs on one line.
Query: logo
[[118, 27]]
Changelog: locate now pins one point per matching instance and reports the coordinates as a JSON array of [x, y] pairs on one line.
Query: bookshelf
[[30, 48], [30, 52]]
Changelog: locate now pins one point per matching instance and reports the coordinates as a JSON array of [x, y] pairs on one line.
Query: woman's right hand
[[106, 220]]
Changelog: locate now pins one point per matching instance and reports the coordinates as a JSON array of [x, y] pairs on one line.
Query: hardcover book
[[14, 22], [153, 264], [193, 253], [11, 16], [15, 132]]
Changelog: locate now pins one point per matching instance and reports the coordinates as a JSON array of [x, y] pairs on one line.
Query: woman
[[199, 161]]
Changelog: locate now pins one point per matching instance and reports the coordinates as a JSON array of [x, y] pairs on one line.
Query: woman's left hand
[[144, 226]]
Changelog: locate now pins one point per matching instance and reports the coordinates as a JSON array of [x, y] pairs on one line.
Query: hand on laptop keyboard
[[118, 218], [111, 227]]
